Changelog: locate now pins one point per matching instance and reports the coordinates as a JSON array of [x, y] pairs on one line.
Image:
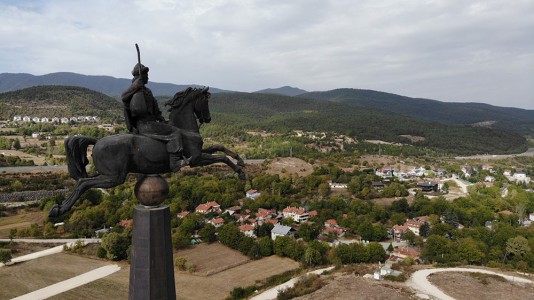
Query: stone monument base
[[151, 267]]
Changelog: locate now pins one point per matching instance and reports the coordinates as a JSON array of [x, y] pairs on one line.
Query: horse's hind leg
[[207, 159], [222, 148], [83, 184]]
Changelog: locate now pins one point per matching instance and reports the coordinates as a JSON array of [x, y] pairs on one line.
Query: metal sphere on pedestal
[[151, 190]]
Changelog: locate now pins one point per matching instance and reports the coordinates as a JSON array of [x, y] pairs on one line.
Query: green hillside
[[278, 113], [58, 101], [515, 119], [282, 113]]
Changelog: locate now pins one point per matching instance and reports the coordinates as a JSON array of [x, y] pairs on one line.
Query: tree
[[518, 247], [424, 230], [376, 252], [16, 144], [264, 229], [436, 249], [468, 250], [265, 246], [181, 240], [5, 256], [312, 257], [409, 237], [308, 232], [207, 233], [230, 235], [116, 245]]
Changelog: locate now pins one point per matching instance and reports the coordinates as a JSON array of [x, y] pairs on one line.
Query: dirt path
[[273, 292], [419, 281], [46, 252], [71, 283]]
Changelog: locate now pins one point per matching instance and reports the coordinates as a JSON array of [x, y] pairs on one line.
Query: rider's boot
[[177, 161]]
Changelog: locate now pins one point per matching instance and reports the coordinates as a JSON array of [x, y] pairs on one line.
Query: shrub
[[5, 256], [101, 252], [180, 263]]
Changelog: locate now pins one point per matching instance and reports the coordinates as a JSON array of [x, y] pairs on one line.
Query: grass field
[[19, 221], [26, 277]]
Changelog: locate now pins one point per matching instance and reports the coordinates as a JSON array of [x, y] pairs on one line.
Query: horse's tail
[[76, 150]]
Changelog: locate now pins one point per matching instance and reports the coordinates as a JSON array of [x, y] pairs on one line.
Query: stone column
[[151, 267]]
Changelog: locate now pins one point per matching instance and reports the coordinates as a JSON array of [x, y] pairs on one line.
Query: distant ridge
[[285, 90], [108, 85], [515, 119]]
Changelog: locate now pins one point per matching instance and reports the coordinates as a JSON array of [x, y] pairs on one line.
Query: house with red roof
[[208, 207], [405, 252], [298, 214], [182, 214], [331, 223], [248, 230], [398, 231], [217, 222]]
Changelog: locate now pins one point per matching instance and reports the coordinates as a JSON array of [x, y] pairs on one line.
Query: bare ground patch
[[290, 165], [466, 285], [212, 259], [29, 276], [353, 287], [21, 220]]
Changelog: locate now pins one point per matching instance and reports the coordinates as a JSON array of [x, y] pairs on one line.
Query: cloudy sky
[[448, 50]]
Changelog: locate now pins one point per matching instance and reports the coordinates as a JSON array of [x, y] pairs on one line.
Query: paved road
[[71, 283], [529, 152], [52, 241], [273, 292], [54, 250], [419, 281], [33, 168]]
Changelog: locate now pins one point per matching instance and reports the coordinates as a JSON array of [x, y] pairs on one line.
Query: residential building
[[248, 230], [208, 207], [217, 222], [252, 194], [298, 214], [281, 230]]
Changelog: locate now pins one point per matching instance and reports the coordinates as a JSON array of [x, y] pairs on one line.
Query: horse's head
[[202, 108], [194, 101]]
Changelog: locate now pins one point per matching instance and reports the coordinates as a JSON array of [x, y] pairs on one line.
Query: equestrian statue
[[152, 146]]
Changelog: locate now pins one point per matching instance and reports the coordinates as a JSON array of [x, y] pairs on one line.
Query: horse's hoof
[[54, 212], [241, 163], [241, 176]]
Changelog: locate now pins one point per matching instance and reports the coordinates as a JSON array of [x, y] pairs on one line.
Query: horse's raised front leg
[[82, 185], [207, 159], [222, 148]]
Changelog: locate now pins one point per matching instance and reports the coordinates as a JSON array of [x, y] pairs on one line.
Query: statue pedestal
[[151, 260], [151, 266]]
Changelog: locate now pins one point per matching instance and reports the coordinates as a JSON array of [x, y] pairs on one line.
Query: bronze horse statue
[[117, 155]]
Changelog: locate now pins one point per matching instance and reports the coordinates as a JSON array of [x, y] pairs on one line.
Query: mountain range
[[456, 127]]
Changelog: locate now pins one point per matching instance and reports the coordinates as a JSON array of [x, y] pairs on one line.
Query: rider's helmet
[[135, 71]]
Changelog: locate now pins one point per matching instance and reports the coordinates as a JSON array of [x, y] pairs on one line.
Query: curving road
[[272, 293], [419, 281]]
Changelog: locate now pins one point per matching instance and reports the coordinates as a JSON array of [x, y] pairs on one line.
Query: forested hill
[[520, 120], [283, 113], [58, 101], [105, 84], [285, 90]]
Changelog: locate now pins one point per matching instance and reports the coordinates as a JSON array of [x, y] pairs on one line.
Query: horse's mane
[[178, 98]]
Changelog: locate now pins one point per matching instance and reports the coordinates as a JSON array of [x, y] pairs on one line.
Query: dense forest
[[279, 114], [283, 114], [515, 119]]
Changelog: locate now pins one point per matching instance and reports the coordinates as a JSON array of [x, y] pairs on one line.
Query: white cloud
[[447, 50]]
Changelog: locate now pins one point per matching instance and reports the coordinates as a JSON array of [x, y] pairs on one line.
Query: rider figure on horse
[[143, 116]]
